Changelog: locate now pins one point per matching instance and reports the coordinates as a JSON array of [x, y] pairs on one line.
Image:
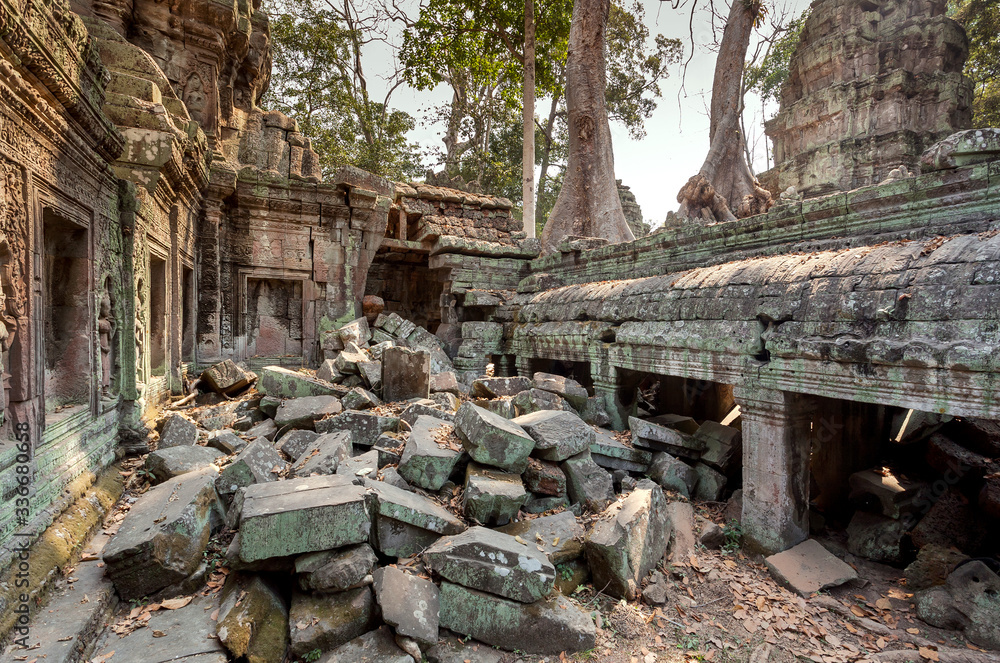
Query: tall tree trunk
[[528, 152], [725, 185], [588, 203]]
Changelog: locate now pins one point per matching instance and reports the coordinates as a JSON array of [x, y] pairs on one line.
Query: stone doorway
[[274, 317], [157, 315]]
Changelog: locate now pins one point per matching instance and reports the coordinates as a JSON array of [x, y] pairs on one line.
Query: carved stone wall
[[871, 86]]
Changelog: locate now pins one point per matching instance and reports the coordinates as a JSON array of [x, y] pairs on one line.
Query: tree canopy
[[981, 19]]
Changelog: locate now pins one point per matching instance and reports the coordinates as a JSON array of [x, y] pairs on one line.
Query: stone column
[[209, 337], [608, 386], [776, 443]]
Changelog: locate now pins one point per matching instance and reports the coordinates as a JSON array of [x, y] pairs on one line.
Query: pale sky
[[677, 133]]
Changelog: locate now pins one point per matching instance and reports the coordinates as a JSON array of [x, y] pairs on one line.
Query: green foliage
[[734, 534], [767, 77], [981, 20], [313, 655], [319, 80]]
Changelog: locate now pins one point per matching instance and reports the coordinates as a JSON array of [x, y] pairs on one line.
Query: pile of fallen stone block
[[360, 525], [937, 519]]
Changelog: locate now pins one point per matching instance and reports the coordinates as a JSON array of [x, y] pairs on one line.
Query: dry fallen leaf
[[158, 634], [857, 611], [883, 604], [913, 631], [928, 653], [174, 604]]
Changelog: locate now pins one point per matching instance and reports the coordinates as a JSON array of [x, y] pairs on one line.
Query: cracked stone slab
[[305, 411], [494, 562], [302, 515], [324, 454], [492, 497], [336, 570], [559, 536], [809, 567], [649, 435], [174, 461], [493, 440], [558, 434], [178, 431], [611, 454], [255, 464], [365, 427], [424, 463], [409, 604], [284, 383], [378, 646]]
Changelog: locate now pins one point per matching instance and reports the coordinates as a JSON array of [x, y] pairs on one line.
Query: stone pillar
[[776, 443], [524, 367], [504, 366], [209, 338], [609, 386]]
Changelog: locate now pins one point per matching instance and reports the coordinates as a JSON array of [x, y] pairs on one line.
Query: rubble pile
[[348, 518]]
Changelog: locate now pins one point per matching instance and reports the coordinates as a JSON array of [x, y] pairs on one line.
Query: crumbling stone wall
[[871, 86]]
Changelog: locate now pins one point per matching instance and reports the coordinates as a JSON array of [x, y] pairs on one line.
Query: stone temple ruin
[[389, 377]]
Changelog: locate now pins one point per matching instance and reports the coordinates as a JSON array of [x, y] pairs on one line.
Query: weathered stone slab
[[446, 401], [649, 435], [266, 429], [284, 383], [371, 373], [678, 422], [611, 454], [302, 515], [336, 570], [673, 474], [178, 431], [294, 442], [453, 650], [355, 331], [567, 388], [324, 454], [492, 497], [543, 503], [628, 540], [587, 483], [534, 400], [723, 446], [378, 646], [808, 568], [493, 562], [409, 604], [411, 413], [544, 478], [501, 406], [492, 440], [362, 465], [682, 540], [969, 601], [499, 387], [226, 441], [932, 566], [216, 417], [558, 434], [253, 619], [412, 509], [425, 463], [876, 537], [560, 536], [893, 494], [174, 461], [549, 626], [360, 399], [257, 463], [365, 427], [303, 412], [445, 382], [406, 374], [326, 621], [227, 377], [161, 540], [328, 372]]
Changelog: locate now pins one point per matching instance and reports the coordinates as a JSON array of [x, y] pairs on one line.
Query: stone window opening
[[67, 316]]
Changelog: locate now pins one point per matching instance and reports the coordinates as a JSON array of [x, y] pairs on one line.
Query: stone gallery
[[365, 420]]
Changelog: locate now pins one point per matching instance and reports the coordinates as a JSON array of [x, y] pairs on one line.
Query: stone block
[[178, 431], [252, 623], [558, 434], [809, 567], [588, 484], [723, 446], [356, 332], [425, 462], [336, 570], [269, 406], [568, 388], [627, 542], [411, 413], [257, 463], [360, 399], [378, 646], [409, 604], [453, 650], [678, 422], [892, 494], [304, 412], [492, 440], [932, 566], [371, 373], [365, 427], [284, 383], [502, 406], [534, 400], [161, 540], [348, 359], [302, 515], [324, 454], [405, 374], [544, 478], [492, 497], [445, 382], [560, 535], [710, 485], [410, 508], [649, 435], [493, 562], [673, 474], [225, 441], [499, 387], [969, 601], [227, 377], [543, 503], [328, 372], [266, 429], [362, 465], [172, 462], [327, 621], [611, 454], [951, 521], [294, 442], [549, 626]]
